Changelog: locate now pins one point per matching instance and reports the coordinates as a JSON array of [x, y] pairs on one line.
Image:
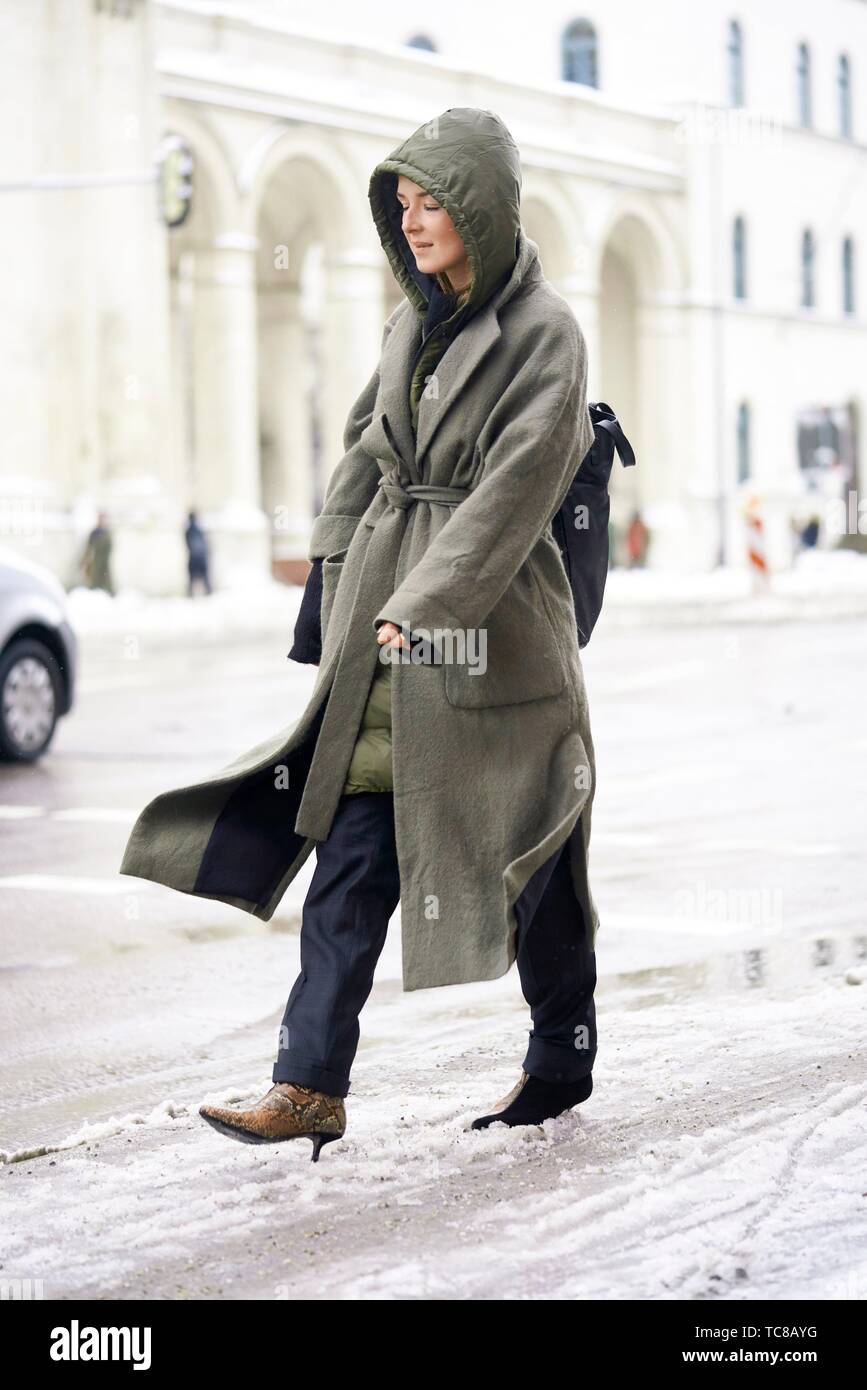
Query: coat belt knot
[[402, 494]]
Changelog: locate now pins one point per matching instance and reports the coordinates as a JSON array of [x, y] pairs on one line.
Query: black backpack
[[584, 549], [582, 535]]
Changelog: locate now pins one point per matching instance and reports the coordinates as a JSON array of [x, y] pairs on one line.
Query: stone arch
[[549, 218], [640, 226], [321, 158], [321, 278], [639, 270]]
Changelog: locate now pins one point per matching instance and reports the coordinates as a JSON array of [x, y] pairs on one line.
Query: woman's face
[[431, 234]]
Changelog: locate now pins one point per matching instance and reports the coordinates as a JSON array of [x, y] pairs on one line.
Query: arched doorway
[[643, 353], [320, 279]]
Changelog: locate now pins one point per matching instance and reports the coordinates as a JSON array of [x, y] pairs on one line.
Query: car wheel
[[30, 691]]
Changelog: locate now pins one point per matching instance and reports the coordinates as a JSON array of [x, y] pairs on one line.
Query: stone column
[[127, 308], [285, 380], [668, 478], [582, 296], [226, 474], [353, 322], [85, 289]]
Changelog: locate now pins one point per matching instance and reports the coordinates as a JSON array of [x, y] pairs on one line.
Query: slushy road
[[723, 1150]]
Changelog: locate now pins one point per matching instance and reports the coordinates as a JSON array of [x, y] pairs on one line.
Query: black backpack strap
[[603, 416]]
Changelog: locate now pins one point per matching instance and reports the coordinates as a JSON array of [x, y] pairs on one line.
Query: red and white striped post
[[756, 547]]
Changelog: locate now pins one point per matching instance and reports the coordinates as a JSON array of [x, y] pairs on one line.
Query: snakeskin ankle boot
[[287, 1111]]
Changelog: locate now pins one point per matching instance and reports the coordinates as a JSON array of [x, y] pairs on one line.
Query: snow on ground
[[722, 1155], [723, 1151], [246, 611], [820, 584]]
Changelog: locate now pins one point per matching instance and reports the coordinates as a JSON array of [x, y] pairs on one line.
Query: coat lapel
[[453, 370], [395, 373]]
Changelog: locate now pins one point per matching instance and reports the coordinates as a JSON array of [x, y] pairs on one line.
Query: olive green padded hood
[[469, 162]]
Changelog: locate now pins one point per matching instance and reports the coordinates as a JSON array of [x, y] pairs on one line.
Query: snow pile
[[822, 584], [253, 610]]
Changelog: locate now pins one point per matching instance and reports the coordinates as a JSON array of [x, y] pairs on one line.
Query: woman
[[458, 779]]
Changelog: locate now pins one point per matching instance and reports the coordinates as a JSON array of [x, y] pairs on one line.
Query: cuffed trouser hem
[[303, 1072], [552, 1061]]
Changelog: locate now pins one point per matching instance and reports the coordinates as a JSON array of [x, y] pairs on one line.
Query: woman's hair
[[447, 287]]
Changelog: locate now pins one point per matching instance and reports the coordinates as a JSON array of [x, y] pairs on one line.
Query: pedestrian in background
[[637, 541], [198, 557], [96, 559]]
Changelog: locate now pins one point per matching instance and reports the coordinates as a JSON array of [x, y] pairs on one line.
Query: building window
[[743, 442], [736, 64], [828, 446], [808, 270], [844, 96], [579, 53], [805, 108], [848, 275], [422, 41], [739, 258]]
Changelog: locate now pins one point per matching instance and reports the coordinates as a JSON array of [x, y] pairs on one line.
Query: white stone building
[[694, 175]]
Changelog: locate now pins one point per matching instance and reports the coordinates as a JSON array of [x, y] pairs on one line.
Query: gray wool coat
[[447, 534]]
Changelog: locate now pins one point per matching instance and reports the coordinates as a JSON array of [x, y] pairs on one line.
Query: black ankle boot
[[534, 1100]]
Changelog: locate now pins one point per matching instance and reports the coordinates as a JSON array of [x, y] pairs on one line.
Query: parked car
[[38, 651]]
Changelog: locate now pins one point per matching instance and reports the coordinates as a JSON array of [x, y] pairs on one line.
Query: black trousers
[[354, 890]]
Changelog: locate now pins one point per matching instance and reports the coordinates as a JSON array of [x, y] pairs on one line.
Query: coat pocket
[[518, 653], [332, 568]]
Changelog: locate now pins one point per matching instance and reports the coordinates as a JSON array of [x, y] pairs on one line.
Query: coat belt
[[402, 495]]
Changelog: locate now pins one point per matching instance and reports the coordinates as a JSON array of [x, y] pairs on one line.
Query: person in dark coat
[[198, 556], [96, 559]]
